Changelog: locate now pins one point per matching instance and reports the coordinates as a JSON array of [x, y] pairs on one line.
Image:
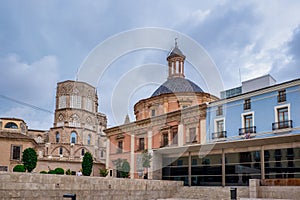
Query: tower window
[[73, 138], [82, 152], [57, 137], [152, 112], [89, 140], [60, 151], [62, 102]]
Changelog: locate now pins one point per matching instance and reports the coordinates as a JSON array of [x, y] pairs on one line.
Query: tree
[[118, 164], [146, 159], [87, 164], [125, 169], [103, 172], [29, 159]]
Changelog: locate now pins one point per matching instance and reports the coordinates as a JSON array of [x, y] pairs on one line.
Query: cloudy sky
[[44, 42]]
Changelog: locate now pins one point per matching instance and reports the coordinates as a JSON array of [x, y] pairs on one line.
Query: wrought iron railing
[[282, 124], [221, 134], [250, 129]]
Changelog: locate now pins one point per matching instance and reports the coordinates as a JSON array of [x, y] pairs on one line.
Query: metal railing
[[221, 134], [282, 124], [250, 129]]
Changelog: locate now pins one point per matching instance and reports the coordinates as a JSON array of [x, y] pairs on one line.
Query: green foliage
[[68, 172], [103, 172], [118, 163], [87, 164], [51, 172], [43, 172], [125, 169], [146, 159], [59, 171], [29, 159], [19, 168]]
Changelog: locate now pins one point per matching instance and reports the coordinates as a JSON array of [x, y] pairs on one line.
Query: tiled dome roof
[[177, 85]]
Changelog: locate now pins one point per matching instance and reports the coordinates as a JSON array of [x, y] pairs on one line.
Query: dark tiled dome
[[177, 85]]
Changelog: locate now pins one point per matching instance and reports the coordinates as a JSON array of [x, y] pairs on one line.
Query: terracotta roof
[[13, 135]]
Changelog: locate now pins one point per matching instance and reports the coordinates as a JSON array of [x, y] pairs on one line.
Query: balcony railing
[[250, 129], [217, 135], [282, 124]]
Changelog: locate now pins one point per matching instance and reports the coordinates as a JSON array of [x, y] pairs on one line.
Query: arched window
[[82, 152], [60, 151], [57, 137], [73, 137], [89, 140], [11, 125]]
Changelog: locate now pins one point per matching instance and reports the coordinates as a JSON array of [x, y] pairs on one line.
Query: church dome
[[177, 85]]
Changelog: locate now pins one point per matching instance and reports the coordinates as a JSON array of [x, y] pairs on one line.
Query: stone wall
[[45, 186]]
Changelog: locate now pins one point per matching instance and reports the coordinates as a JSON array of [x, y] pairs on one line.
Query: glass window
[[75, 101], [283, 114], [174, 136], [141, 143], [220, 126], [281, 96], [82, 152], [165, 140], [219, 110], [11, 125], [89, 140], [60, 151], [248, 121], [152, 112], [62, 102], [120, 147], [282, 163], [247, 104], [16, 152], [73, 138], [57, 137], [89, 105], [192, 132]]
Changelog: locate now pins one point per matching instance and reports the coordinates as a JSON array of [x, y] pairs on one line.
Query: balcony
[[250, 129], [218, 135], [282, 125]]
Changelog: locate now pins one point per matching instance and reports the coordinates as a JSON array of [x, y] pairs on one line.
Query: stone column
[[180, 135], [132, 157], [150, 170], [107, 163], [262, 162], [253, 188], [190, 170], [223, 168]]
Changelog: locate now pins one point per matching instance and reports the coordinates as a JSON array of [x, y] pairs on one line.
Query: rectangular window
[[281, 96], [62, 102], [220, 126], [247, 104], [3, 168], [152, 112], [120, 147], [219, 110], [174, 136], [192, 135], [141, 143], [75, 101], [15, 152], [248, 121], [89, 105], [165, 140]]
